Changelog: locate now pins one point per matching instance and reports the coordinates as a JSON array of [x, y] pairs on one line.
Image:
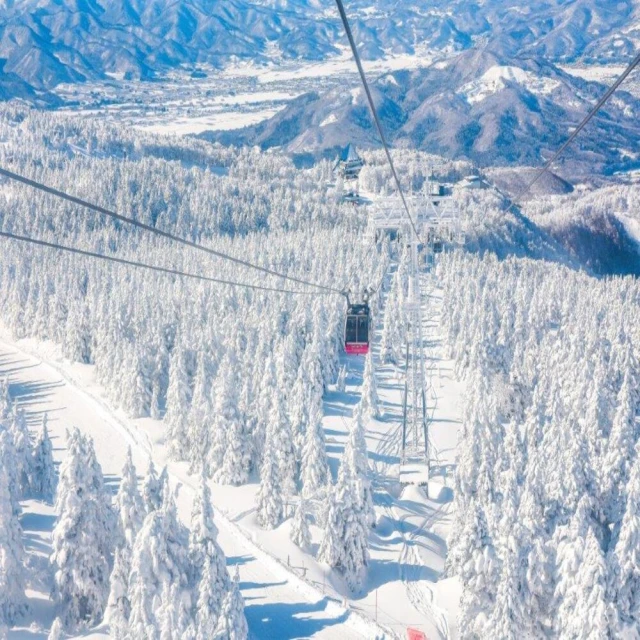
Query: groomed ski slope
[[408, 545]]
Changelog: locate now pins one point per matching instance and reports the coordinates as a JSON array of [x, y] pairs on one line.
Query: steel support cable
[[632, 65], [165, 270], [169, 236], [374, 111]]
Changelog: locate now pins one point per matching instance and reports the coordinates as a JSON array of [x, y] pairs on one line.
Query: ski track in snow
[[278, 604]]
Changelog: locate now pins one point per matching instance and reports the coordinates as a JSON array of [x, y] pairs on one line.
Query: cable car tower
[[414, 462]]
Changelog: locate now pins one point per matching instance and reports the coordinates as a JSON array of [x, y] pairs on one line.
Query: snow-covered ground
[[288, 594], [240, 95], [222, 121], [338, 65]]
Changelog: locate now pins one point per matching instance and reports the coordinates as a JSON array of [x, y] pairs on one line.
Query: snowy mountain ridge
[[480, 106], [44, 42]]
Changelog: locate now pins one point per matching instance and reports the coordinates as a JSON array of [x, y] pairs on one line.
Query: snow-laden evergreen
[[130, 513], [344, 544], [270, 498], [356, 454], [179, 396], [230, 437], [315, 468], [57, 630], [393, 340], [8, 454], [12, 570], [44, 479], [6, 403], [300, 534], [232, 624], [128, 504], [369, 392], [546, 481], [209, 578], [83, 536], [23, 455], [151, 489], [159, 588], [118, 607]]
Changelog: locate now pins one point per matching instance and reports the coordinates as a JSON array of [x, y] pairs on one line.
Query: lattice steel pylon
[[414, 467]]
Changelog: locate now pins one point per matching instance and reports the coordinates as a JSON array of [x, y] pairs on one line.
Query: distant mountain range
[[495, 97], [47, 42], [480, 106]]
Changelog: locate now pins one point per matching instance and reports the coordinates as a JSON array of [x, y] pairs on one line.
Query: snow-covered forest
[[545, 538], [128, 560], [543, 529], [236, 375]]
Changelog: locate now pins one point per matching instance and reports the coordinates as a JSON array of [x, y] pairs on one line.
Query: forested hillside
[[45, 43], [236, 381], [545, 538]]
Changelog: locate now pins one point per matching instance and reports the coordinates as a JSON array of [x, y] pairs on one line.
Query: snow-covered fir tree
[[199, 427], [300, 534], [7, 457], [315, 468], [44, 478], [159, 588], [230, 436], [392, 343], [279, 430], [344, 543], [130, 513], [83, 536], [118, 607], [209, 578], [232, 623], [57, 630], [12, 571], [6, 403], [151, 489], [356, 454], [22, 450], [270, 499], [128, 504], [179, 395], [369, 402], [479, 570]]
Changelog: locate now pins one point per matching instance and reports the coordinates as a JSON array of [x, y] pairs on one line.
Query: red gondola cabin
[[356, 330]]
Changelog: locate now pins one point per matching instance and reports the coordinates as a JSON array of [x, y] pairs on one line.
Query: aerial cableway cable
[[165, 234], [549, 163], [374, 111], [165, 270]]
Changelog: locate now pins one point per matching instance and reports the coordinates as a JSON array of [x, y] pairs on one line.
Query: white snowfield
[[305, 599], [497, 77]]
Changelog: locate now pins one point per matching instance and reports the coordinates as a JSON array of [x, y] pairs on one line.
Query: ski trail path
[[278, 604]]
